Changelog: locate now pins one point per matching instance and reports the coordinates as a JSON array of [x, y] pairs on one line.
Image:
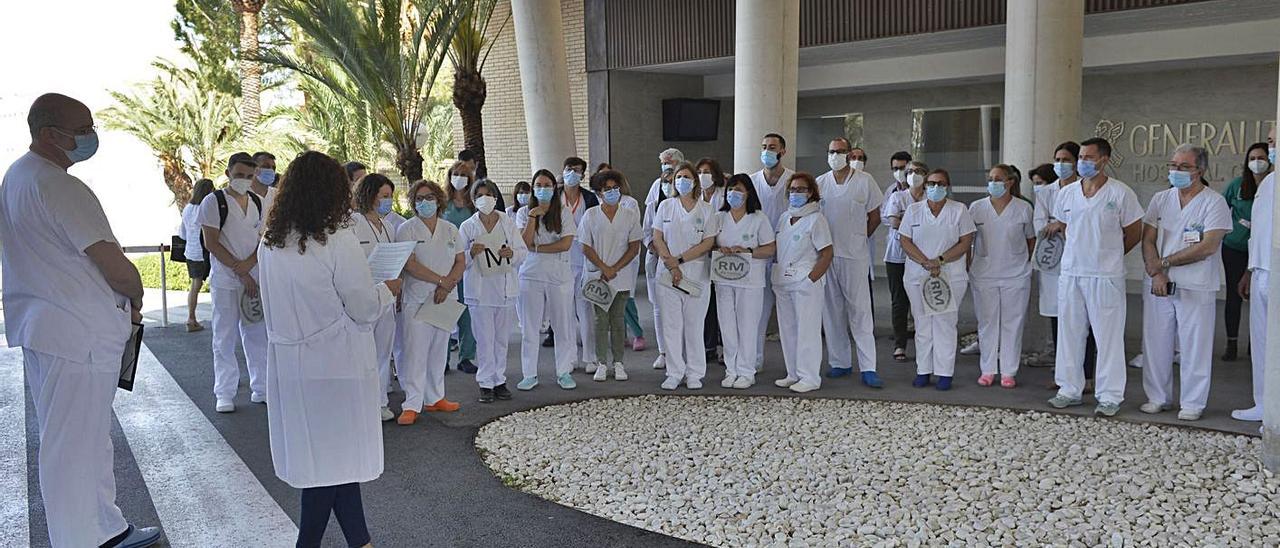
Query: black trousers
[[711, 325], [900, 305], [341, 500], [1235, 263], [1090, 349]]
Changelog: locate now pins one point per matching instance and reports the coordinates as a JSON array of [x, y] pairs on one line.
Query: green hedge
[[149, 268]]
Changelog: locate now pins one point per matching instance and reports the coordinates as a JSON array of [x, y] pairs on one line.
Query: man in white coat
[[771, 187], [69, 298], [1253, 285], [1102, 221]]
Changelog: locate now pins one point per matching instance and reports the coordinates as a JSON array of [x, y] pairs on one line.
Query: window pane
[[954, 140], [815, 133]]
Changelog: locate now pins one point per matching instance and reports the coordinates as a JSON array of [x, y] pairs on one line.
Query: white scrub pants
[[801, 344], [1257, 331], [77, 480], [849, 308], [253, 338], [492, 328], [766, 309], [584, 320], [426, 354], [555, 302], [1100, 303], [384, 338], [397, 347], [651, 283], [1002, 313], [1186, 320], [1048, 294], [935, 333], [738, 310], [683, 323]]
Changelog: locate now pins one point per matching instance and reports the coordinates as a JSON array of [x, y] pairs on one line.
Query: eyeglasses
[[799, 190], [85, 130], [1180, 167], [837, 152]]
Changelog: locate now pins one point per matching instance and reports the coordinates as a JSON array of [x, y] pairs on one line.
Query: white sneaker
[[759, 366], [785, 382], [661, 362], [258, 397], [590, 367], [1138, 361], [693, 384], [802, 387], [224, 406], [743, 383], [1252, 414], [1152, 408], [671, 383], [971, 349], [387, 414], [1189, 415], [619, 374], [602, 372], [728, 381]]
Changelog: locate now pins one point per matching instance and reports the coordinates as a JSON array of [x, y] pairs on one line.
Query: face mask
[[459, 182], [936, 193], [267, 176], [1064, 169], [613, 196], [384, 206], [858, 165], [1179, 179], [915, 180], [996, 189], [1259, 166], [797, 200], [735, 198], [684, 185], [900, 175], [837, 161], [1271, 154], [666, 168], [571, 177], [706, 180], [426, 209], [522, 198], [1041, 188], [486, 204], [1086, 168], [86, 146], [241, 186], [769, 158], [544, 194], [668, 190]]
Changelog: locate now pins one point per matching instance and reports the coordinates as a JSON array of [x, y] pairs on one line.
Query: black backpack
[[221, 196]]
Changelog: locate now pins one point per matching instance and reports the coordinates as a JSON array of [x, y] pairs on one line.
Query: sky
[[85, 48]]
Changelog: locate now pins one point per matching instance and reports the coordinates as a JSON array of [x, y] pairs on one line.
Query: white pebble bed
[[757, 471]]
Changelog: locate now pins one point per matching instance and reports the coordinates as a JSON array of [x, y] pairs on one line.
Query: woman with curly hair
[[372, 205], [320, 303]]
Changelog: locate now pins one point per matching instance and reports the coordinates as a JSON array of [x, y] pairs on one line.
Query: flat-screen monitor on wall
[[690, 119]]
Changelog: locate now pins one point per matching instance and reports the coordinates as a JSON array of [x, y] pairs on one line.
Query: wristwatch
[[680, 260], [942, 260], [1164, 264]]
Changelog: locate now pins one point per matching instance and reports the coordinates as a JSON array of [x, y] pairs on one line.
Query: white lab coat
[[934, 234], [546, 291], [847, 317], [799, 298], [1260, 267], [684, 315], [384, 331], [322, 386], [426, 347], [739, 302], [1001, 281]]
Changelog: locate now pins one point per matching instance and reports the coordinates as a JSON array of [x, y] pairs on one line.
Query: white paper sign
[[729, 267], [490, 261], [686, 286], [444, 315], [388, 259], [936, 292], [1048, 253], [250, 307], [598, 292]]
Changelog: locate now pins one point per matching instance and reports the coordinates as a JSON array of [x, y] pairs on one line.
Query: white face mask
[[837, 161], [486, 204], [240, 186], [1259, 166], [706, 180], [915, 180], [900, 175], [459, 182], [858, 165]]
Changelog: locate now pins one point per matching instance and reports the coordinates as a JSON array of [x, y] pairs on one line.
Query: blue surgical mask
[[522, 198], [668, 189], [1271, 155], [426, 209], [797, 200], [267, 177], [666, 167], [571, 178], [1086, 168], [735, 198], [936, 193], [684, 185], [1179, 179], [545, 193], [996, 189], [613, 196], [1064, 169], [769, 158], [384, 206], [86, 146]]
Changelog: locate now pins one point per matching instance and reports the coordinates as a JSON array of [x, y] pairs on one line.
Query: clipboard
[[444, 315], [686, 286], [129, 361]]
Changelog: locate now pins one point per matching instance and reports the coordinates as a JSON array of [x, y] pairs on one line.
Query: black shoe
[[486, 395], [501, 392], [550, 341], [1230, 354], [467, 367]]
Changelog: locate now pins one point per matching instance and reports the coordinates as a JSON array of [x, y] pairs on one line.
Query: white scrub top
[[1178, 228], [626, 202], [56, 301], [394, 220], [773, 199], [753, 230], [576, 211], [368, 234], [896, 206], [1260, 231], [239, 236], [934, 235], [1000, 254], [1095, 228], [610, 240], [683, 230], [268, 202], [435, 250], [550, 268], [191, 233], [799, 244], [717, 199], [1046, 195], [846, 204], [478, 290]]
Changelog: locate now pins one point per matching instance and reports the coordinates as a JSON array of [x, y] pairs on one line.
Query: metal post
[[164, 288]]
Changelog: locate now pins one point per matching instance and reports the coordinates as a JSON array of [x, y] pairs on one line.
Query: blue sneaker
[[837, 372], [921, 381], [944, 383], [870, 378], [566, 382], [527, 383]]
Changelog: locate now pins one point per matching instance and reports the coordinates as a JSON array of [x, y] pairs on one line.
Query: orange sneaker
[[407, 417], [443, 405]]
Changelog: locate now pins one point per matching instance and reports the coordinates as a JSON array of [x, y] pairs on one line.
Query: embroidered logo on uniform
[[1111, 206], [746, 237]]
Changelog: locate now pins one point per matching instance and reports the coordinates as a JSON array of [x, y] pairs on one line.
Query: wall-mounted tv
[[690, 119]]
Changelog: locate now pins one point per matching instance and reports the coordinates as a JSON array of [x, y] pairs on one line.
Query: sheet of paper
[[444, 315], [489, 262], [686, 286], [388, 259]]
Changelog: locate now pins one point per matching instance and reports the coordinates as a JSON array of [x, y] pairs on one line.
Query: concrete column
[[765, 69], [1271, 407], [544, 82], [1043, 55]]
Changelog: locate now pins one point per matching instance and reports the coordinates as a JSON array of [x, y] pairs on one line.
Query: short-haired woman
[[610, 236], [747, 233], [195, 254], [372, 203], [805, 252]]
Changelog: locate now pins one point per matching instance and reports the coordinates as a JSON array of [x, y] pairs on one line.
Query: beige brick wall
[[506, 142]]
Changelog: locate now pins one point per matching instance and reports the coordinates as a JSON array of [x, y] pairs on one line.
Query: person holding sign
[[320, 305], [494, 247], [372, 204], [546, 281], [684, 230], [1001, 271], [744, 244], [805, 253], [610, 236], [936, 234]]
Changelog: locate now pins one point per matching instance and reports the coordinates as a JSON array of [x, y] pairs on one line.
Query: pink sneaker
[[638, 344], [1008, 382], [986, 380]]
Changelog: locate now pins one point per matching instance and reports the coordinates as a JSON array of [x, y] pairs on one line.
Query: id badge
[[790, 272], [1190, 236]]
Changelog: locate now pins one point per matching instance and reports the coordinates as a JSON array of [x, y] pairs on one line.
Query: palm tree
[[382, 53], [468, 53], [250, 70]]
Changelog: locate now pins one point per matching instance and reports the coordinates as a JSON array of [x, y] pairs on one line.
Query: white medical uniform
[[1091, 287], [739, 303], [240, 237], [268, 202], [1260, 269], [584, 324], [322, 383], [684, 316], [846, 205], [1001, 281], [546, 291], [934, 235], [1048, 300], [651, 269], [895, 205], [72, 330], [798, 297], [1186, 318], [610, 240], [717, 199], [491, 299], [426, 347], [384, 330], [393, 221], [191, 233], [773, 202]]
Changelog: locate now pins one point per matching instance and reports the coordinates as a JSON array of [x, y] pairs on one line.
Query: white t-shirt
[[1000, 254], [753, 230], [1178, 228], [191, 233], [773, 199], [798, 246], [1095, 228], [435, 250], [368, 234], [846, 204], [56, 301], [239, 236], [553, 268], [896, 206], [1260, 225], [610, 240], [934, 235], [479, 290], [682, 230]]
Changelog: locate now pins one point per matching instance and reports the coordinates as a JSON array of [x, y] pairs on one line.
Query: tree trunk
[[469, 94], [409, 160], [250, 70], [177, 180]]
